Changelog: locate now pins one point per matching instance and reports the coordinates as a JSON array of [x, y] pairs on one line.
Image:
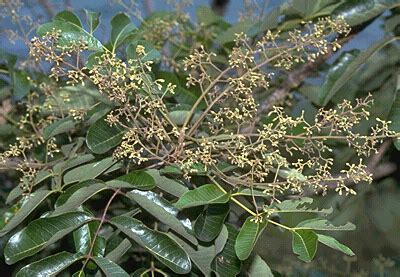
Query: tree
[[177, 142]]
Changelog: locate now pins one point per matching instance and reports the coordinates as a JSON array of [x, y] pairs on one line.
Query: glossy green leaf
[[58, 127], [70, 149], [179, 116], [88, 171], [207, 16], [30, 203], [226, 263], [51, 265], [200, 255], [139, 179], [71, 163], [221, 240], [21, 84], [305, 8], [92, 20], [230, 34], [17, 191], [206, 194], [97, 112], [9, 213], [84, 238], [65, 195], [117, 166], [70, 33], [394, 115], [109, 268], [118, 252], [164, 211], [152, 54], [356, 12], [121, 28], [333, 243], [259, 268], [171, 186], [9, 59], [323, 225], [164, 248], [209, 223], [356, 64], [101, 137], [80, 98], [248, 236], [304, 244], [77, 195], [68, 16], [336, 70], [41, 233]]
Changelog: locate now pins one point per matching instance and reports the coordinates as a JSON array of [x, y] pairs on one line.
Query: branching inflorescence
[[283, 154]]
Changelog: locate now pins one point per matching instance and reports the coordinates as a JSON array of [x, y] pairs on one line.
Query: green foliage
[[209, 223], [71, 31], [170, 148], [304, 244], [50, 265], [164, 248], [101, 137], [206, 194], [248, 236]]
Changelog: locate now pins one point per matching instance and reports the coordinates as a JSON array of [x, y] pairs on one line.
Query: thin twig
[[102, 220]]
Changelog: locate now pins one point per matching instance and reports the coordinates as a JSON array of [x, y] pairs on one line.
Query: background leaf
[[323, 225], [336, 70], [121, 28], [206, 194], [356, 12], [84, 238], [394, 115], [41, 233], [88, 171], [29, 204], [110, 268], [51, 265], [92, 20], [164, 211], [164, 248], [171, 186], [118, 252], [210, 222], [259, 268], [68, 16], [227, 263], [101, 137], [58, 127], [152, 54], [70, 34], [21, 84], [248, 236], [356, 64], [333, 243], [304, 244], [139, 179]]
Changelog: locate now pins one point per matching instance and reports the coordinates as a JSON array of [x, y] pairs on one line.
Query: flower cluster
[[285, 154]]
